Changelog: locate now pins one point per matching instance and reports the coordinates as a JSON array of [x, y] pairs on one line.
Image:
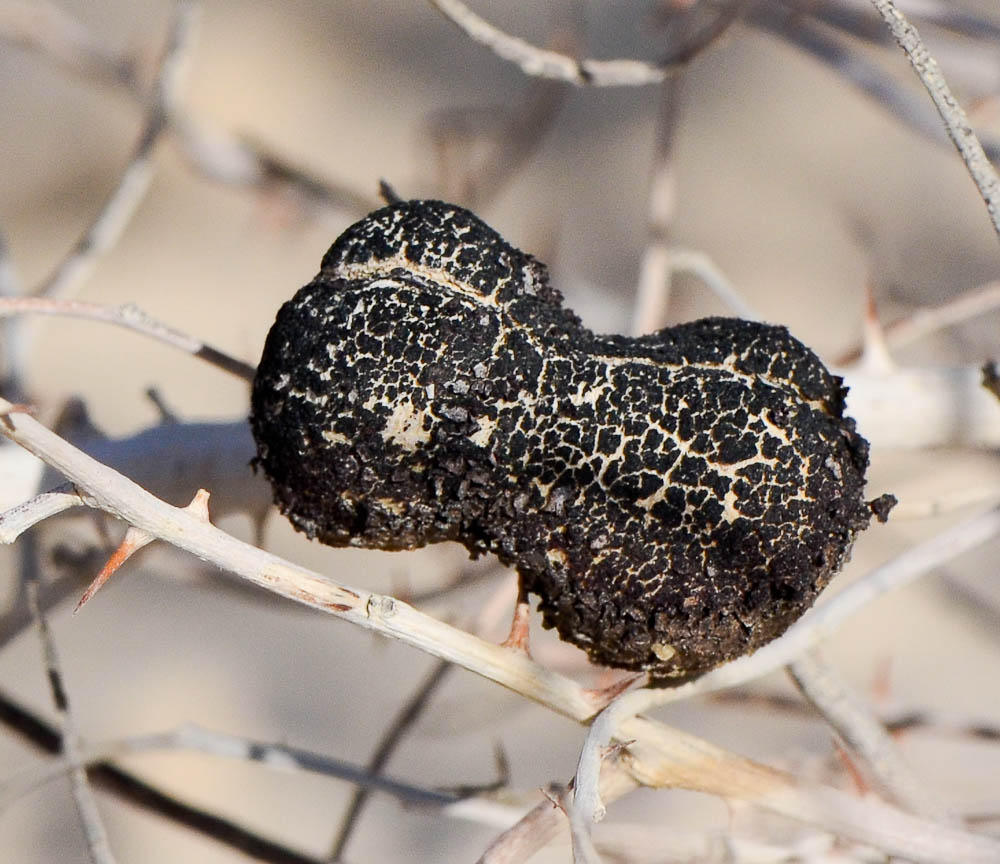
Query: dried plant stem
[[386, 747], [93, 827], [707, 271], [132, 318], [924, 321], [922, 839], [955, 121], [544, 63], [845, 711], [43, 26], [544, 821], [20, 518], [197, 739]]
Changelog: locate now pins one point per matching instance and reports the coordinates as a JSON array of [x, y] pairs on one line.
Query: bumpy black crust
[[675, 500]]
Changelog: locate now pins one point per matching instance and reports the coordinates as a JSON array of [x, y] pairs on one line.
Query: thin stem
[[117, 211], [866, 737], [93, 827], [543, 63], [955, 121], [130, 317], [409, 714]]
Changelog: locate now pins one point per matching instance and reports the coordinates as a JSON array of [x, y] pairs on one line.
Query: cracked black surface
[[674, 501]]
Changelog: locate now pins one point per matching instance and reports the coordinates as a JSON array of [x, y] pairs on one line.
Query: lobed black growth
[[675, 500]]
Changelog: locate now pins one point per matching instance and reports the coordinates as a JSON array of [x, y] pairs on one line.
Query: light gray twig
[[223, 745], [865, 735], [42, 26], [924, 321], [955, 121], [20, 518], [131, 317], [543, 63]]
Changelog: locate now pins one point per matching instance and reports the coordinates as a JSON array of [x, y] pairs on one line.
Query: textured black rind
[[675, 501]]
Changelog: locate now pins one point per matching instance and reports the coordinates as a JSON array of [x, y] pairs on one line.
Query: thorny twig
[[930, 319]]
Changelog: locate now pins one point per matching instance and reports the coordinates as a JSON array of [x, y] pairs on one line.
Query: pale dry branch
[[546, 819], [130, 317], [544, 63], [9, 283], [924, 321], [117, 211], [923, 406], [865, 736], [955, 121], [700, 265], [652, 298], [948, 16], [94, 831], [854, 66], [662, 756], [12, 340], [924, 841], [20, 518]]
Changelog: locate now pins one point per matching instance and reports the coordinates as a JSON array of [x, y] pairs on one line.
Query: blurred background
[[796, 151]]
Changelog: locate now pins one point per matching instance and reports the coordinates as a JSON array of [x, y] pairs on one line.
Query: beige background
[[800, 189]]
